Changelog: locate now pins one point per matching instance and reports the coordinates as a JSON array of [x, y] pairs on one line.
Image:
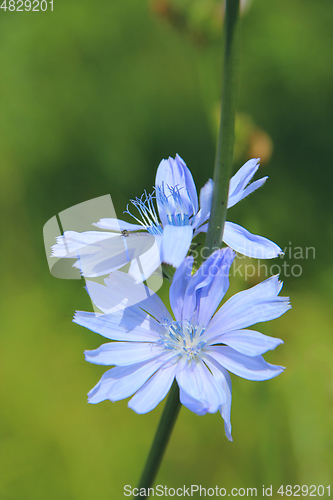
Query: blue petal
[[206, 194], [121, 292], [207, 287], [249, 367], [189, 183], [123, 353], [253, 187], [246, 308], [101, 253], [144, 266], [128, 325], [222, 378], [174, 172], [202, 229], [175, 244], [123, 381], [246, 243], [121, 287], [192, 404], [117, 225], [240, 180], [226, 407], [154, 390], [248, 342], [71, 243], [198, 384], [213, 292], [178, 287]]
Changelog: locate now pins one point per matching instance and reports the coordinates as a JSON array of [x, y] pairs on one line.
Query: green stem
[[225, 144], [168, 419], [222, 174]]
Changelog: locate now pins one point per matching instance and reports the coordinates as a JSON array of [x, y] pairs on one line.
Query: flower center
[[184, 338], [146, 209]]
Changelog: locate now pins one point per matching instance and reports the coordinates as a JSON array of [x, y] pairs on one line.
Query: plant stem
[[168, 419], [222, 174], [225, 143]]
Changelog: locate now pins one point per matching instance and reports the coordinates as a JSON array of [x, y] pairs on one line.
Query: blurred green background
[[93, 96]]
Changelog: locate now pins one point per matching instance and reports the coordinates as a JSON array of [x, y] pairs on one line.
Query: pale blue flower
[[197, 347], [171, 226]]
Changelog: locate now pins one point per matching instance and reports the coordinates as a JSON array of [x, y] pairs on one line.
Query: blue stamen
[[146, 209], [183, 337], [176, 212]]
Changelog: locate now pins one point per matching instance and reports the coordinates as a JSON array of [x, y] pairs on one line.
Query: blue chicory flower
[[171, 227], [197, 347]]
